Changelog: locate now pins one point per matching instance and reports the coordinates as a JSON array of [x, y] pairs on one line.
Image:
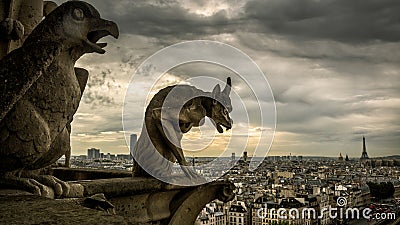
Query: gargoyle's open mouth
[[219, 126], [101, 29], [220, 129]]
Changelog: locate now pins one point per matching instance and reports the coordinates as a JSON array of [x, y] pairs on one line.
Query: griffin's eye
[[78, 14]]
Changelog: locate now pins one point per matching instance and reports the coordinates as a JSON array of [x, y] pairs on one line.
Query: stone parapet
[[138, 200]]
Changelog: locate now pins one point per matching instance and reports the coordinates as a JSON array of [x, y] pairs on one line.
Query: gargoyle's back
[[177, 98]]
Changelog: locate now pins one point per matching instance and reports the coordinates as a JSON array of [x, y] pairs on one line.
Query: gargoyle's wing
[[82, 75], [169, 128], [21, 68]]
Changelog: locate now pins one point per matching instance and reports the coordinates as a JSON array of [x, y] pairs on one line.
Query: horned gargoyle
[[41, 91], [165, 123]]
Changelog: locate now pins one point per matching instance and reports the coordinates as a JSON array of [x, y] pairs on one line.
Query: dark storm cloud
[[163, 18], [172, 20], [98, 88], [341, 20], [98, 123], [95, 99], [323, 50]]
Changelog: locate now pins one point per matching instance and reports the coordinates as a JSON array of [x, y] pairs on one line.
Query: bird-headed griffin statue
[[40, 91]]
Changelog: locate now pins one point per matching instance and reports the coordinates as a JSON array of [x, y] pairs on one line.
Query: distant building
[[323, 216], [340, 157], [233, 157], [265, 212], [108, 156], [261, 217], [79, 157], [237, 214], [124, 156], [93, 153], [211, 215], [245, 156], [285, 174], [133, 141], [396, 185]]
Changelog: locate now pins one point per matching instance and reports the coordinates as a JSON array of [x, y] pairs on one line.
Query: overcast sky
[[333, 66]]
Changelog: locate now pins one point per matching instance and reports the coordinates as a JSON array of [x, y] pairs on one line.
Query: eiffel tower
[[364, 154]]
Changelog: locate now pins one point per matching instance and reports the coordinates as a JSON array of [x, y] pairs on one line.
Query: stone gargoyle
[[40, 91], [166, 122]]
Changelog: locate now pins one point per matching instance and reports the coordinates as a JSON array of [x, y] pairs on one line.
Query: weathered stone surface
[[18, 18], [186, 206], [41, 89], [30, 209], [40, 112], [74, 174], [139, 200], [120, 186], [145, 200]]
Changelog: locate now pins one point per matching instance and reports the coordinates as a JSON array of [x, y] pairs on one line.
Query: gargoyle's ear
[[156, 113], [227, 89], [216, 91], [192, 106]]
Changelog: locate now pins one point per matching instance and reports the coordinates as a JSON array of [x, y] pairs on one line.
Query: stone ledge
[[113, 187], [138, 200], [73, 174]]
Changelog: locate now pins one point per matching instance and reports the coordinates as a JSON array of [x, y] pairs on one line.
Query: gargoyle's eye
[[225, 112], [78, 14]]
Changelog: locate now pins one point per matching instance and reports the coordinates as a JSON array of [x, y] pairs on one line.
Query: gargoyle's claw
[[42, 185], [60, 187], [192, 175]]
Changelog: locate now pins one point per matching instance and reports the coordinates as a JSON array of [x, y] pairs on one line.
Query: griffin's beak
[[99, 29]]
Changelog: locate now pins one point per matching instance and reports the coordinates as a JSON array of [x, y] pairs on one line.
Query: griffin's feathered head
[[77, 25]]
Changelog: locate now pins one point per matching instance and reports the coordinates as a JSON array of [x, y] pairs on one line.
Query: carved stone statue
[[17, 20], [165, 123], [41, 91]]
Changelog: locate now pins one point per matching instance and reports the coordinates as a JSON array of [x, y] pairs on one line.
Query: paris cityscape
[[304, 184], [156, 112]]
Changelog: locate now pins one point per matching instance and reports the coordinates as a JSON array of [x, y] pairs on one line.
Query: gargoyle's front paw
[[29, 185], [42, 185], [59, 187]]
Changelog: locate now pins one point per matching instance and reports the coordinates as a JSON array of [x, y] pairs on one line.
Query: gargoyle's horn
[[193, 105], [228, 86]]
